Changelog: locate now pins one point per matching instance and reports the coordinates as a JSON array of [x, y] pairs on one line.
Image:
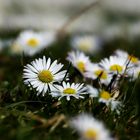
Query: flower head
[[108, 98], [31, 42], [87, 44], [94, 71], [105, 97], [89, 128], [114, 65], [69, 90], [130, 58], [41, 74], [79, 60]]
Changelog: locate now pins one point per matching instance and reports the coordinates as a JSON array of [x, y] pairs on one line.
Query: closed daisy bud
[[89, 128], [41, 74]]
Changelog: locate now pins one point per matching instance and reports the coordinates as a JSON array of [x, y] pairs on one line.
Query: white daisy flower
[[87, 44], [89, 128], [105, 97], [93, 92], [31, 42], [131, 59], [114, 65], [41, 74], [94, 71], [79, 60], [69, 90]]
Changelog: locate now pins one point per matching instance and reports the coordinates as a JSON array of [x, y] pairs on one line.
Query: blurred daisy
[[41, 74], [30, 42], [69, 90], [132, 59], [79, 60], [94, 71], [87, 44], [93, 92], [114, 65], [89, 128], [134, 73]]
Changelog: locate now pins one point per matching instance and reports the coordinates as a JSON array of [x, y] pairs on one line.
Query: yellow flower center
[[116, 67], [101, 73], [133, 59], [45, 76], [85, 46], [33, 42], [81, 66], [69, 91], [105, 95], [90, 134]]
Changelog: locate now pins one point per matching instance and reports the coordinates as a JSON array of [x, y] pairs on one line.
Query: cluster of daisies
[[31, 42], [100, 79], [48, 77]]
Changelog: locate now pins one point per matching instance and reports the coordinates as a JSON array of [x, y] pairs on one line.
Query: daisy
[[87, 44], [114, 65], [89, 128], [79, 60], [94, 71], [131, 58], [41, 74], [105, 97], [69, 90], [31, 42]]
